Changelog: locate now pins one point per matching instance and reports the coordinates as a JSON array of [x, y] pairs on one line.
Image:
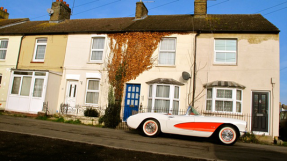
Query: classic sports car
[[227, 130]]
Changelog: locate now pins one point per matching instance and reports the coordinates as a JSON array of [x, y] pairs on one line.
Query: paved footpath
[[166, 144]]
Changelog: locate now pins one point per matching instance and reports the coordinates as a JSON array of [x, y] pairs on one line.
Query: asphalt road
[[191, 147]]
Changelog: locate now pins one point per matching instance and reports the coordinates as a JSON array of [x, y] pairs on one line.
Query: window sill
[[168, 66], [2, 60], [90, 105], [222, 64], [95, 62], [37, 62]]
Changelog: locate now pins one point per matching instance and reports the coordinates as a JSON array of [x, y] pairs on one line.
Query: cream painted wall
[[54, 56], [257, 63], [77, 63], [183, 62], [6, 65], [52, 93]]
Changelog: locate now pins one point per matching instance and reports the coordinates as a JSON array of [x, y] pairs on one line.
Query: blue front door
[[132, 100]]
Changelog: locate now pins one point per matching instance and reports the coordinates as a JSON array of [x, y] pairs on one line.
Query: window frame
[[226, 51], [36, 47], [103, 50], [5, 49], [21, 84], [94, 91], [152, 97], [0, 79], [234, 100], [167, 51]]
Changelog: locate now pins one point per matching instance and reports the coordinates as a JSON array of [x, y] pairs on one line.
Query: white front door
[[71, 93], [39, 84]]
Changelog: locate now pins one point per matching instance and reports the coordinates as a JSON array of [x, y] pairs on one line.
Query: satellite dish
[[50, 11], [186, 75]]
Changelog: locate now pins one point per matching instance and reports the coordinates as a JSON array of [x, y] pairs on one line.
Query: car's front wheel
[[227, 135], [151, 127]]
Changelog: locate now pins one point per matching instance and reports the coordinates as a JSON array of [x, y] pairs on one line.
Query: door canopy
[[228, 84]]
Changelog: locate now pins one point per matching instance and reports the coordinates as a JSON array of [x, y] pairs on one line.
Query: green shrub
[[60, 119], [42, 117], [90, 112], [249, 138], [73, 121], [112, 116]]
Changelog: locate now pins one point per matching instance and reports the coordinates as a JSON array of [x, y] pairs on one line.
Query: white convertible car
[[192, 124]]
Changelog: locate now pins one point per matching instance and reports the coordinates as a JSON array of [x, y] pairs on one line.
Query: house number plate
[[259, 114]]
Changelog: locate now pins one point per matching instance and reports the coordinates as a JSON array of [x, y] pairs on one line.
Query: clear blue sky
[[273, 10]]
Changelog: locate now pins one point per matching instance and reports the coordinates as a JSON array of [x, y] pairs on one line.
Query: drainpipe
[[19, 51], [194, 67]]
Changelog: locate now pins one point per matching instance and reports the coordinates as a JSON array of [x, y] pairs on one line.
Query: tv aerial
[[50, 11]]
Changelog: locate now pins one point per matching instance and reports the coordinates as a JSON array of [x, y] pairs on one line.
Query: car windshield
[[191, 111]]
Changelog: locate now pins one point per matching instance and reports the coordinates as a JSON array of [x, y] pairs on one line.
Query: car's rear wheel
[[151, 127], [227, 135]]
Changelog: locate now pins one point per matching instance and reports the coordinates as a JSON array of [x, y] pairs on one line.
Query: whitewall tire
[[227, 135], [151, 127]]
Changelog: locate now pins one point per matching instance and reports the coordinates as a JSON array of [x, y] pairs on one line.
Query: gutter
[[194, 67], [19, 51]]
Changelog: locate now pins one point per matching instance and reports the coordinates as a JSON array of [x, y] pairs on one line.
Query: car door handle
[[170, 116]]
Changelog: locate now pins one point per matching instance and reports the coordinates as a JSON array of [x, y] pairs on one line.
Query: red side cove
[[199, 126]]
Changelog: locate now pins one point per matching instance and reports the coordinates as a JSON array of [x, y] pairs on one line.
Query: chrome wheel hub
[[150, 127], [227, 135]]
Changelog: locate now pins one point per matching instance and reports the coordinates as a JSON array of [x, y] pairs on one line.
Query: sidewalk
[[191, 147]]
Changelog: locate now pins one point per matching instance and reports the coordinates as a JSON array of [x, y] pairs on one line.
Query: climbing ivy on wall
[[131, 54]]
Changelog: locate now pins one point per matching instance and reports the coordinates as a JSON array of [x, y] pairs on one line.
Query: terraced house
[[9, 51], [221, 64]]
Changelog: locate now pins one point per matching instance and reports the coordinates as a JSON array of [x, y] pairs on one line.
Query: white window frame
[[167, 51], [21, 83], [171, 98], [233, 99], [4, 49], [226, 51], [103, 50], [35, 49], [95, 91]]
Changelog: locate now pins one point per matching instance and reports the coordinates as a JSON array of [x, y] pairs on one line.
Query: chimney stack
[[200, 8], [62, 11], [141, 10], [3, 13]]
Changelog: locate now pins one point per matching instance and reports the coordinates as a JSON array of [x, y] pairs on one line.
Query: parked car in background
[[283, 125], [227, 130]]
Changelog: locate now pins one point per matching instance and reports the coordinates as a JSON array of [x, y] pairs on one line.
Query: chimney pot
[[61, 0], [68, 5], [65, 2], [3, 13], [57, 0]]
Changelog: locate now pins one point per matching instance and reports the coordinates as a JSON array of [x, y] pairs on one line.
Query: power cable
[[275, 11], [86, 3], [159, 6], [97, 7], [270, 7], [217, 4], [214, 5]]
